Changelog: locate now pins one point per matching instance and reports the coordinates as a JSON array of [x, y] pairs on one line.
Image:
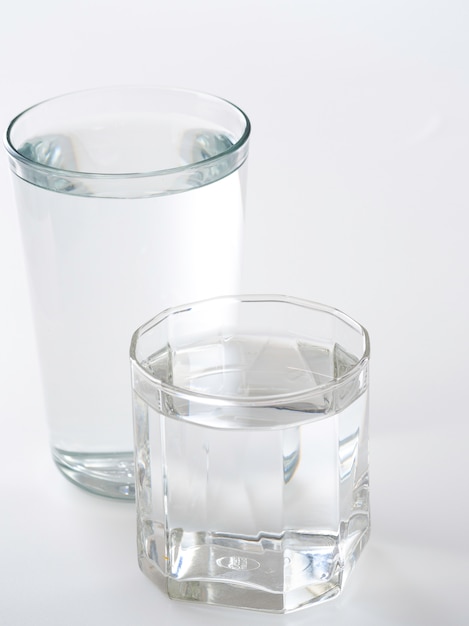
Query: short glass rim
[[20, 158], [260, 400]]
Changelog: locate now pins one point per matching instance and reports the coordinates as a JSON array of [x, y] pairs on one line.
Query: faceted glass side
[[251, 430], [269, 518]]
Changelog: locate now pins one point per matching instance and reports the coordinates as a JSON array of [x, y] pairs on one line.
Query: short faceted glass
[[130, 200], [251, 441]]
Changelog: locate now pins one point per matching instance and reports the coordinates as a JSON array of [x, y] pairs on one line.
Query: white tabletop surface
[[358, 197]]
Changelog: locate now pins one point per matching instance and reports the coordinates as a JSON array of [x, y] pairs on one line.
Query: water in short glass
[[251, 437]]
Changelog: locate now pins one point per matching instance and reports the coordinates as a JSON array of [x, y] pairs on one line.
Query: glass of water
[[130, 200], [251, 438]]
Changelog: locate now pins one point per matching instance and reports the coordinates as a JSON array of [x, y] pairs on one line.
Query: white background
[[357, 197]]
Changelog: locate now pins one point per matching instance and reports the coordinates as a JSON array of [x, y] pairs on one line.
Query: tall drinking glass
[[130, 200]]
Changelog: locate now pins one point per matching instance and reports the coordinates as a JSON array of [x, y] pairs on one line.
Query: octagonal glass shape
[[251, 438]]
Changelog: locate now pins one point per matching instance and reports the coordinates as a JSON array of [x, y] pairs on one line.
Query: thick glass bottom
[[275, 574], [106, 474]]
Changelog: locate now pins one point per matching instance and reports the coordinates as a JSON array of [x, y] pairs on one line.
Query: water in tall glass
[[100, 266]]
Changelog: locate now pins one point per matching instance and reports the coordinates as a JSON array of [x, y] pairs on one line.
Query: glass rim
[[17, 156], [261, 400]]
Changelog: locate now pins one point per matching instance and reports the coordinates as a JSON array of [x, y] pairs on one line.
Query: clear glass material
[[251, 438], [130, 200]]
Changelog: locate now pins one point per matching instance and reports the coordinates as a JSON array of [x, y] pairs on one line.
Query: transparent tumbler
[[130, 200], [251, 437]]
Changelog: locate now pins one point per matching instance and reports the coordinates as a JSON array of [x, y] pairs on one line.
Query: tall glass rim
[[258, 401], [17, 156]]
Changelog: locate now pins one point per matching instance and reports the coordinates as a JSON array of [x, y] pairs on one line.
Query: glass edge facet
[[259, 401]]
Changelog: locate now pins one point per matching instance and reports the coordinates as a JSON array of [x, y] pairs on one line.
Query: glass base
[[231, 595], [274, 576], [106, 474]]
